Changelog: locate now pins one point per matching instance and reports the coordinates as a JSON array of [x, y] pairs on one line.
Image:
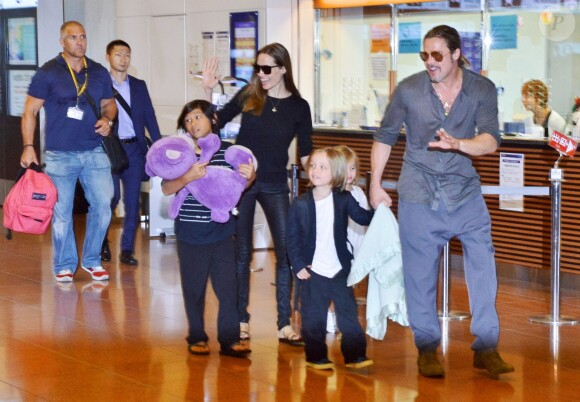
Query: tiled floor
[[124, 340]]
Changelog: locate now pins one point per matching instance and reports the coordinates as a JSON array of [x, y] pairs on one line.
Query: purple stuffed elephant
[[219, 190]]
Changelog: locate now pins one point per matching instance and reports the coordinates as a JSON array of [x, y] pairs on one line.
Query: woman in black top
[[273, 114]]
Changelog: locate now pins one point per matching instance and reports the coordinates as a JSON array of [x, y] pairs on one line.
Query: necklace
[[274, 106], [447, 104]]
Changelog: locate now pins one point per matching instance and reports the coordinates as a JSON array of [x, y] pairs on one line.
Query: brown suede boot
[[490, 360], [429, 365]]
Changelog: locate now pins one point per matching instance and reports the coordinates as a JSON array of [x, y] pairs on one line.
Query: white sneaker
[[64, 275], [98, 273]]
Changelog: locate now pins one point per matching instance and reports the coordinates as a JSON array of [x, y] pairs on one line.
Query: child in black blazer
[[317, 248]]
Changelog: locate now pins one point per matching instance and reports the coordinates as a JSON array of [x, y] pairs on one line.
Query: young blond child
[[355, 232], [317, 247]]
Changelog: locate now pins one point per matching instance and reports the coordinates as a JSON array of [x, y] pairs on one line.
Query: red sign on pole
[[563, 144]]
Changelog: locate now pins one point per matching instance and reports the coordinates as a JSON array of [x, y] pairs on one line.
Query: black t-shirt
[[269, 135]]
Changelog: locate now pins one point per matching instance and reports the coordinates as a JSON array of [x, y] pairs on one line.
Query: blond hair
[[337, 163], [349, 155]]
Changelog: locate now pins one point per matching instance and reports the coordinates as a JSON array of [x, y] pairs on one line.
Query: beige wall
[[165, 37]]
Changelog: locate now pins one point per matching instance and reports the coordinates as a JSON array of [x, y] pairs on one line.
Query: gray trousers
[[424, 232]]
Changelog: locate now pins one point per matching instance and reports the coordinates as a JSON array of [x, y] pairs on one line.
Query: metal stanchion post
[[293, 182], [293, 194], [445, 314], [556, 178]]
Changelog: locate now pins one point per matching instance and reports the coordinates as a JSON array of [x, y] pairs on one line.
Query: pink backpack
[[29, 205]]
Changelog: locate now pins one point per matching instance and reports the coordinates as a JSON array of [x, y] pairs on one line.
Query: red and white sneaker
[[98, 273], [64, 275]]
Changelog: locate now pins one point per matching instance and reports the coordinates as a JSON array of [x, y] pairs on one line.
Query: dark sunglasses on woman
[[265, 69]]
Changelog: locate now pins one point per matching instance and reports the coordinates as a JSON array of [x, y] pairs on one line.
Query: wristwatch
[[110, 123]]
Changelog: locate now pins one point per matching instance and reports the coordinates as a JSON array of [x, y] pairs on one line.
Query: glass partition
[[360, 50], [547, 49], [354, 57]]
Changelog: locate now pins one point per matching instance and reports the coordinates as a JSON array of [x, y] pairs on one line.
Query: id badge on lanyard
[[75, 112]]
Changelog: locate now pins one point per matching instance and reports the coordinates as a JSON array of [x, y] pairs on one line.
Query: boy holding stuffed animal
[[206, 247]]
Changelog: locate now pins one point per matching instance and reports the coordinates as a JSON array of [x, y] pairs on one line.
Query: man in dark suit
[[135, 114]]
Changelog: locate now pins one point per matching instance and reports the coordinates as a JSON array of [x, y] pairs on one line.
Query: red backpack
[[29, 205]]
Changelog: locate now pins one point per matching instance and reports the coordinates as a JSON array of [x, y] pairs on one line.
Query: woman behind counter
[[535, 99], [273, 114]]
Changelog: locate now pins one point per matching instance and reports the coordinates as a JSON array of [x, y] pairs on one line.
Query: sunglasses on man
[[437, 56], [265, 69]]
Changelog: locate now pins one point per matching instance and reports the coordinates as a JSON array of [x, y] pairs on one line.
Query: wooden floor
[[124, 340]]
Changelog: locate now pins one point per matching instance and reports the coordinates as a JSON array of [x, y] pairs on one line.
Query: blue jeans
[[423, 233], [93, 169], [275, 201]]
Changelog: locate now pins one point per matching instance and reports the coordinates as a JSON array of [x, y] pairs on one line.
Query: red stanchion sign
[[563, 144]]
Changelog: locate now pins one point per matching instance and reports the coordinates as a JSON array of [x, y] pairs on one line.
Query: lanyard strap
[[72, 74]]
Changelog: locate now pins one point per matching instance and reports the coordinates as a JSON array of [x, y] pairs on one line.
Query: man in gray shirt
[[450, 114]]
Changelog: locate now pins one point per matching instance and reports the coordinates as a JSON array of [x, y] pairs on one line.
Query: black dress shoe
[[128, 258], [105, 251]]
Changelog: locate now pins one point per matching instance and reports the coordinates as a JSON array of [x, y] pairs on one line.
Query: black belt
[[128, 140]]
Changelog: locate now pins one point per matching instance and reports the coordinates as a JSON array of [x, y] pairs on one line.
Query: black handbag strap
[[127, 108], [122, 101], [95, 110], [93, 105]]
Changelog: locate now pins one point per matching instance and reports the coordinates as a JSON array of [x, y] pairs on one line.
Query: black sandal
[[199, 348], [238, 349]]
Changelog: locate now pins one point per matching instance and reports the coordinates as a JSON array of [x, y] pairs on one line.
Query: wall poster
[[18, 82], [222, 50], [471, 49], [504, 31], [22, 41], [410, 40], [244, 43]]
